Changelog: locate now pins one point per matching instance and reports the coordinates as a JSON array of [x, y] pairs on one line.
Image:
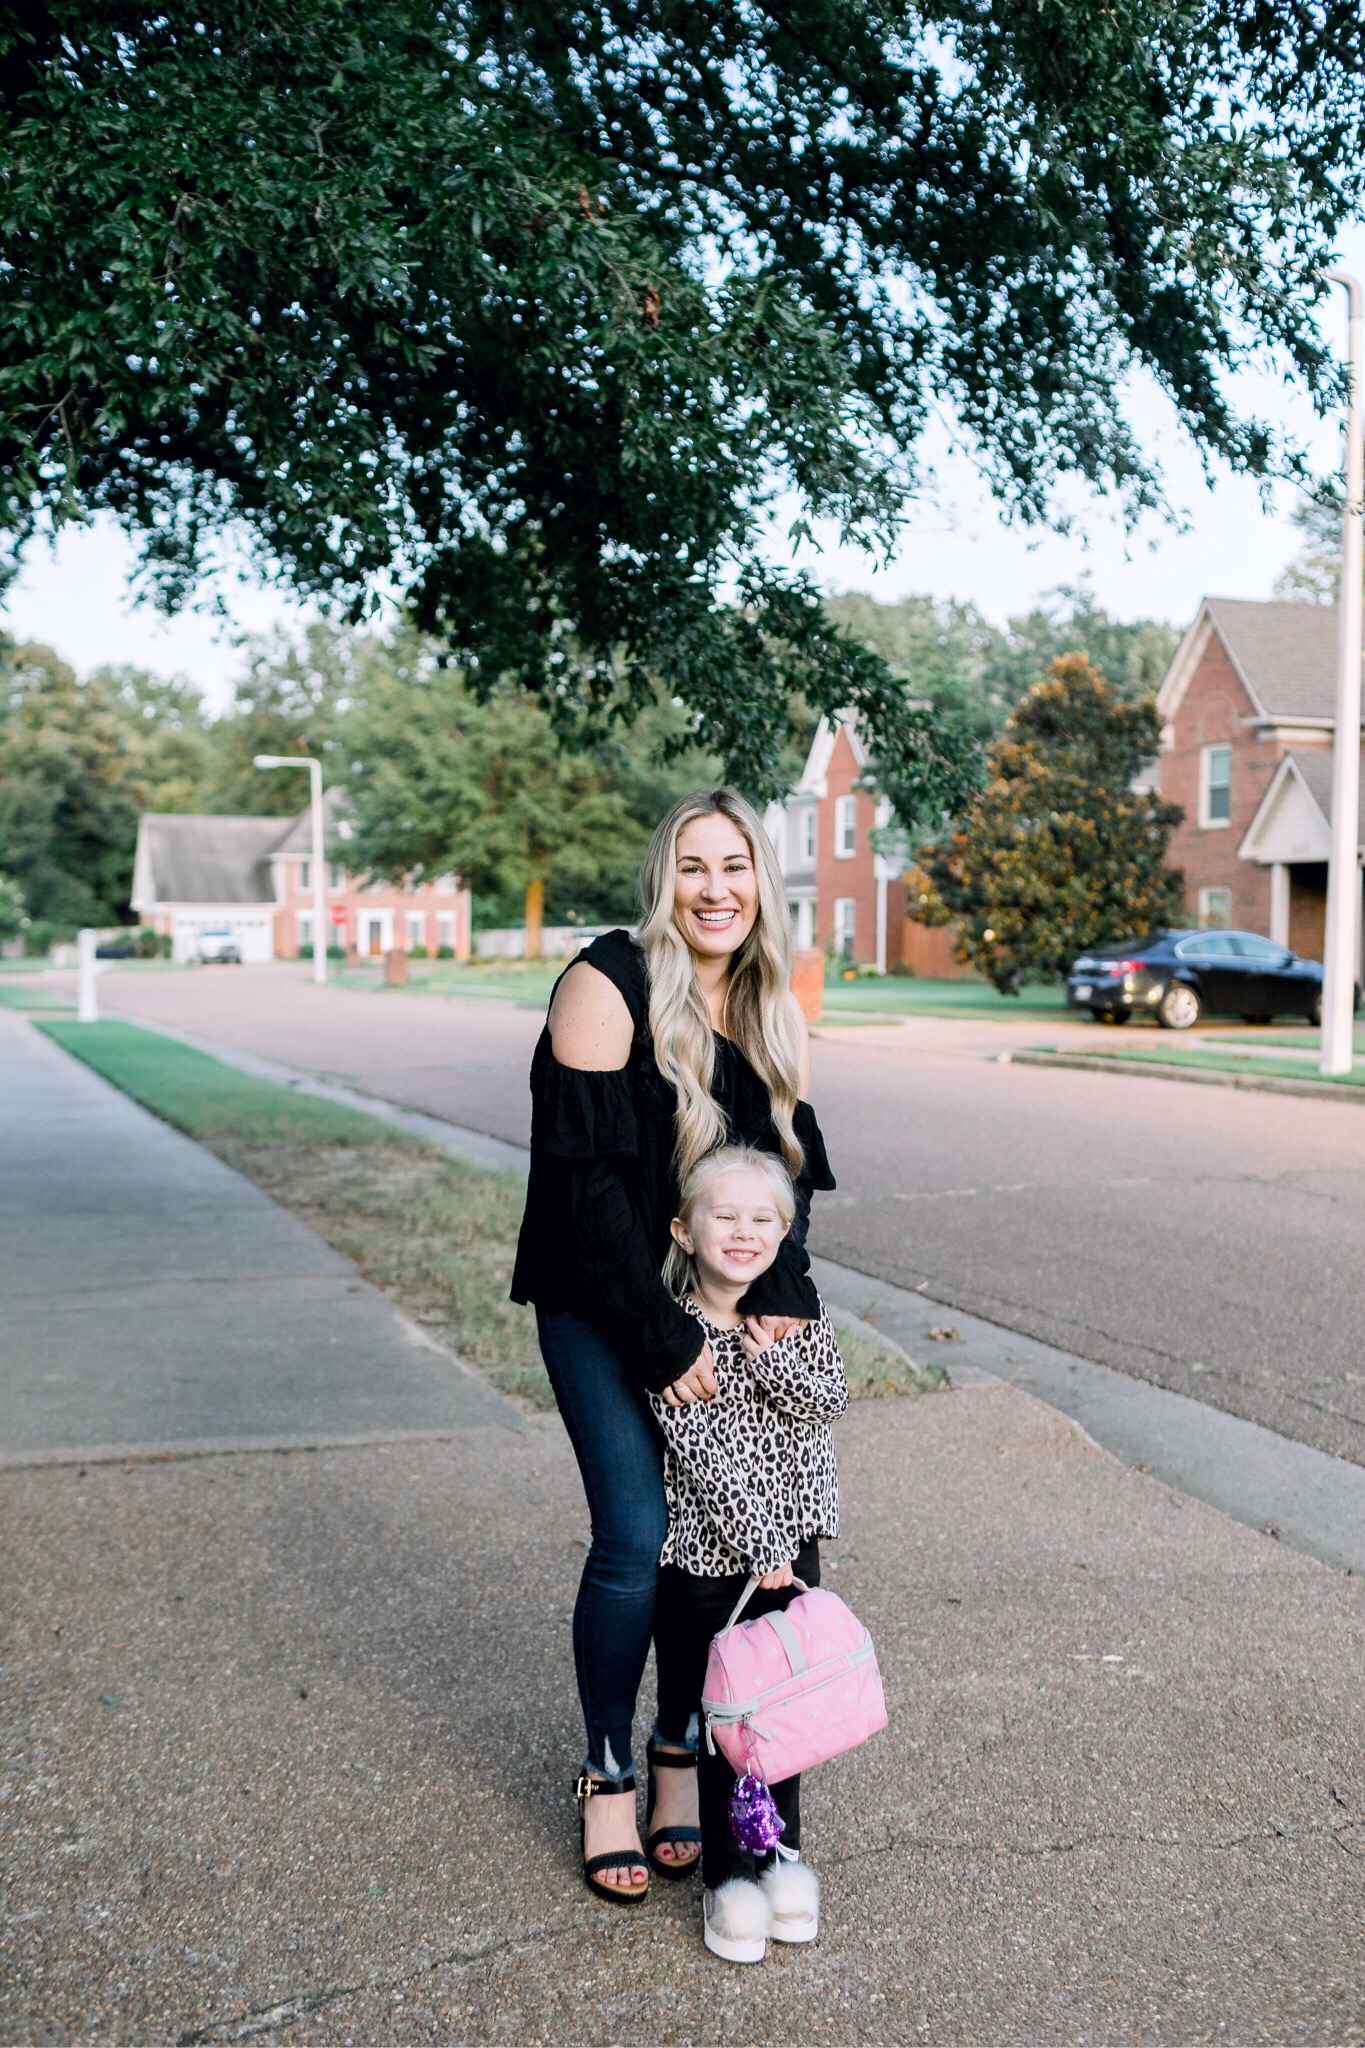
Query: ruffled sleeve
[[584, 1122], [585, 1115]]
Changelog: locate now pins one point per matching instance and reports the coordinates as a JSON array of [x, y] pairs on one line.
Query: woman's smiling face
[[715, 889]]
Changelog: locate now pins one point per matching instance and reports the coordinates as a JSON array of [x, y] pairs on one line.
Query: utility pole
[[1343, 872], [320, 932]]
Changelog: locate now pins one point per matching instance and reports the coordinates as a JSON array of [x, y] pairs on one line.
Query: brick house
[[1247, 712], [255, 876], [844, 896]]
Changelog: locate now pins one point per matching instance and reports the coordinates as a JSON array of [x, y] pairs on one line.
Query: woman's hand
[[774, 1581], [758, 1335], [766, 1330], [698, 1383]]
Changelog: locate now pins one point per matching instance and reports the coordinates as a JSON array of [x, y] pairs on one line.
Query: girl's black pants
[[690, 1612]]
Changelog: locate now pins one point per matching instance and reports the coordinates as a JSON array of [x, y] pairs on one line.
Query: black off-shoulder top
[[603, 1190]]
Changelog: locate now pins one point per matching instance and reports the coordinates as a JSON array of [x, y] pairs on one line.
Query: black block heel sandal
[[669, 1760], [585, 1788]]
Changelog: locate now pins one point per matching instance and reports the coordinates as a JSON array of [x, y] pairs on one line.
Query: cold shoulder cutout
[[603, 1185]]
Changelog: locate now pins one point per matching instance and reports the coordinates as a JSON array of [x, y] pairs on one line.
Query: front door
[[374, 935]]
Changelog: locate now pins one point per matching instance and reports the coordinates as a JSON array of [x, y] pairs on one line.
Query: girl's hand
[[698, 1383], [773, 1582]]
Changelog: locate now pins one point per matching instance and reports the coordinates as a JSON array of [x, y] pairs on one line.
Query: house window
[[417, 928], [843, 927], [305, 925], [1215, 786], [336, 876], [1215, 907], [305, 874], [445, 929], [845, 826], [808, 836]]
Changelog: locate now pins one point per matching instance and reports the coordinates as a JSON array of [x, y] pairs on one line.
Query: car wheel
[[1180, 1008], [1315, 1009]]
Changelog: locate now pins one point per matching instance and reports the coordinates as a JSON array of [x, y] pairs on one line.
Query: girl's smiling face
[[715, 889], [735, 1230]]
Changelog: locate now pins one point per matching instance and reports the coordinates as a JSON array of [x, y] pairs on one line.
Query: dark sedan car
[[1182, 976]]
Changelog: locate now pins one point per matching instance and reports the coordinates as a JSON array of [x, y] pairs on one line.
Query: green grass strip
[[201, 1096], [1209, 1060], [34, 999], [437, 1235]]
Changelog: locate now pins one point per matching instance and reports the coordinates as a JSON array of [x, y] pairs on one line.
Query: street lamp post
[[320, 933], [1343, 873]]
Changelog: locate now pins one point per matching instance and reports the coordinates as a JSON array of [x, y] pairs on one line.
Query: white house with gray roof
[[254, 876]]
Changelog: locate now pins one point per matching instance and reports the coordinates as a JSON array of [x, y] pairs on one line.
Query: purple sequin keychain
[[754, 1817]]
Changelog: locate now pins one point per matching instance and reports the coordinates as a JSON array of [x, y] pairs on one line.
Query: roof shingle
[[1287, 654], [209, 860]]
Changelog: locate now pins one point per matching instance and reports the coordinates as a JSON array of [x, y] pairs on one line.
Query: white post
[[321, 930], [314, 767], [1279, 903], [1343, 872], [881, 924], [87, 1002]]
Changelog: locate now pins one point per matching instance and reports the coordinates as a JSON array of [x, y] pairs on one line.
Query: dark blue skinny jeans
[[620, 1456]]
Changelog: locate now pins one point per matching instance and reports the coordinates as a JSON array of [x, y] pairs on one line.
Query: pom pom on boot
[[793, 1892], [736, 1918]]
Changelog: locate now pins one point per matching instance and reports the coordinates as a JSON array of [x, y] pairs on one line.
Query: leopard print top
[[750, 1475]]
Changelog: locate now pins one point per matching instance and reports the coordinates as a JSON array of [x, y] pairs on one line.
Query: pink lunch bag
[[789, 1690]]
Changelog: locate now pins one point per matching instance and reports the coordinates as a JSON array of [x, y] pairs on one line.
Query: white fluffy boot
[[736, 1919], [793, 1892]]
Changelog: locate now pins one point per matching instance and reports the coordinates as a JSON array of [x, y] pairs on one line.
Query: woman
[[656, 1050]]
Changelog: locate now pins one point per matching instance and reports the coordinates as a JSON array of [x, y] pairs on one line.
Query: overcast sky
[[75, 596]]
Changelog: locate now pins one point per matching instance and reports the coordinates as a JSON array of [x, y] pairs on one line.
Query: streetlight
[[1343, 872], [314, 768]]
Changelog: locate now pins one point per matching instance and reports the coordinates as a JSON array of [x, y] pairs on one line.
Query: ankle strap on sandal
[[586, 1786], [672, 1759]]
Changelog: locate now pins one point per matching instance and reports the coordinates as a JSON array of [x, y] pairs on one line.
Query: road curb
[[1313, 1501], [1154, 1070]]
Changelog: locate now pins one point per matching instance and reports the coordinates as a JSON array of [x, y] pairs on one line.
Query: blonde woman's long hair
[[680, 1271], [761, 1016]]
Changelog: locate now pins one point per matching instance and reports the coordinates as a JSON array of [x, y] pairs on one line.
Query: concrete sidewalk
[[288, 1739], [154, 1299]]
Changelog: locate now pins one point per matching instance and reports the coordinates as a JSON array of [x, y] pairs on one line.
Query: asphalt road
[[1207, 1240]]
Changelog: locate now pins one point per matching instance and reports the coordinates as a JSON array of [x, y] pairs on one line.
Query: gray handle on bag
[[748, 1594]]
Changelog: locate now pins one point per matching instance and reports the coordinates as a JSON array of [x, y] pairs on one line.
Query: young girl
[[750, 1481]]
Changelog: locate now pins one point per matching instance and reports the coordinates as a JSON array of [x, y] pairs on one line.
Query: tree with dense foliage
[[538, 311], [13, 910], [1133, 655], [72, 785], [1314, 575], [1058, 852], [288, 701], [176, 740], [972, 672], [441, 781]]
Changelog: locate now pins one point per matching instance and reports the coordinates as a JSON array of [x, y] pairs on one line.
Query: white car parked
[[219, 942]]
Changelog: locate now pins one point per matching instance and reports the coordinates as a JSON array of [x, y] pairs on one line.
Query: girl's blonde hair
[[761, 1015], [680, 1272]]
